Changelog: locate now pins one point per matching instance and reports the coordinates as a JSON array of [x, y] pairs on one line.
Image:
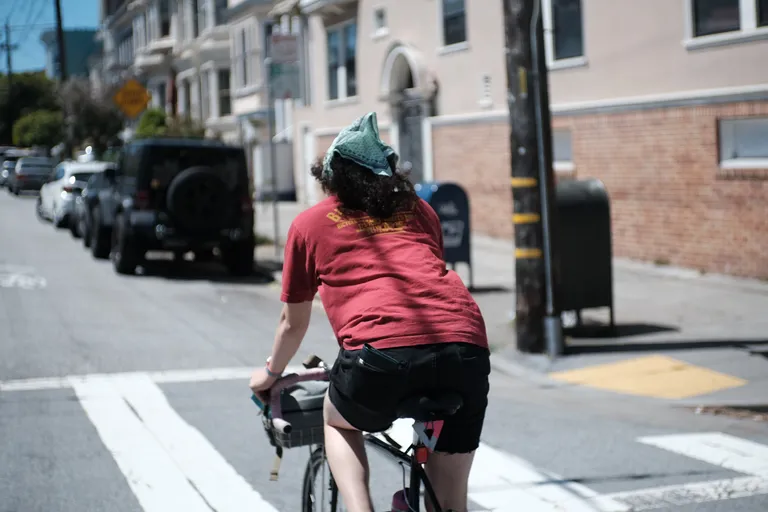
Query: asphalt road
[[158, 417]]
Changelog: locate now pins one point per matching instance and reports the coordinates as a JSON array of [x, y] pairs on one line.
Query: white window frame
[[549, 39], [245, 65], [341, 71], [727, 141], [383, 31], [442, 48], [748, 29]]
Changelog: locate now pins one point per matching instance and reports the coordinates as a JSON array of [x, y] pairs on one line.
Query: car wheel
[[39, 209], [125, 251], [100, 238], [74, 227], [238, 257], [84, 232], [16, 191]]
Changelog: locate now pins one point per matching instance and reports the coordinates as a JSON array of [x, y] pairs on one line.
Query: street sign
[[132, 98], [284, 70], [284, 48], [285, 81]]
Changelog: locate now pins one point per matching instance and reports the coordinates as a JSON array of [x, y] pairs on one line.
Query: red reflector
[[422, 454], [67, 188], [142, 199]]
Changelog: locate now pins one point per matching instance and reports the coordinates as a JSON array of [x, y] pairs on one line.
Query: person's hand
[[260, 383]]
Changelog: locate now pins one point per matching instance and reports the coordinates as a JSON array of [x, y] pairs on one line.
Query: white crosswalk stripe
[[170, 465]]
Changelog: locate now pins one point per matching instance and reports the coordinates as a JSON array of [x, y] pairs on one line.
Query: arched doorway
[[403, 87]]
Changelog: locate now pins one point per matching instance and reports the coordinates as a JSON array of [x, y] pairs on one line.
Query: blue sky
[[29, 18]]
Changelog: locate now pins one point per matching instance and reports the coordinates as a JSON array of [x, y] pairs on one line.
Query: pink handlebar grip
[[318, 374]]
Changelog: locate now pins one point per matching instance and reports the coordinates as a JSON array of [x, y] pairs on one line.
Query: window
[[202, 16], [342, 57], [225, 98], [165, 18], [241, 58], [711, 17], [161, 95], [205, 94], [187, 98], [562, 150], [744, 143], [220, 12], [195, 18], [380, 19], [564, 29], [454, 22]]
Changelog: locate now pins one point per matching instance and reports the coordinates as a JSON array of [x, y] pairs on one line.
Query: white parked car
[[57, 196]]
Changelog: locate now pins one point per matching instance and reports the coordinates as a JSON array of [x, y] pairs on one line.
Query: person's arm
[[299, 289], [291, 328]]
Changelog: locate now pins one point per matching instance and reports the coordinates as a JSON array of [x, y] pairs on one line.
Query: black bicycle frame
[[418, 475]]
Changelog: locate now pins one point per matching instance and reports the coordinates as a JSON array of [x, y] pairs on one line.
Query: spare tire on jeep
[[199, 200]]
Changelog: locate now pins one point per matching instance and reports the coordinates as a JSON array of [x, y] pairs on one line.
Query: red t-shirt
[[383, 283]]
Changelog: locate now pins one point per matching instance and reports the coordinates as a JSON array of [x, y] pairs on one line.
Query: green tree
[[29, 92], [152, 124], [89, 118], [39, 128], [155, 123]]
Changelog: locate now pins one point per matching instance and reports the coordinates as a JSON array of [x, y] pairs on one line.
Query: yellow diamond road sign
[[132, 98]]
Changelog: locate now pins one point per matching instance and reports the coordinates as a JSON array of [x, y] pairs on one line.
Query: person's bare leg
[[345, 450], [449, 475]]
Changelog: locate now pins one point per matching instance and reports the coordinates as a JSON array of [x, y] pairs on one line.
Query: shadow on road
[[593, 330], [192, 271], [662, 346], [488, 289]]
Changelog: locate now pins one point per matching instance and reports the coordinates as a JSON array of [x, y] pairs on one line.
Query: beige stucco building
[[666, 101]]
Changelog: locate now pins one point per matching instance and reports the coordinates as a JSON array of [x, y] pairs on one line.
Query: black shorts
[[368, 398]]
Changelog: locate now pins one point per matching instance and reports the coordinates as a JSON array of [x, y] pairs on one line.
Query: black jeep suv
[[177, 195]]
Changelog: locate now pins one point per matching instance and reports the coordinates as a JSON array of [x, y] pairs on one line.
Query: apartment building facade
[[665, 101], [179, 50]]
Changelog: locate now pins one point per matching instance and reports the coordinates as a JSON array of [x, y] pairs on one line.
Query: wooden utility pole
[[537, 319], [60, 43], [8, 47]]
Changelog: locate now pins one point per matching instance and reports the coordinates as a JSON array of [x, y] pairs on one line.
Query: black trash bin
[[584, 247], [451, 203]]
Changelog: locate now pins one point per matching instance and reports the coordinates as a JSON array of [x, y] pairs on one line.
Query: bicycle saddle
[[430, 407]]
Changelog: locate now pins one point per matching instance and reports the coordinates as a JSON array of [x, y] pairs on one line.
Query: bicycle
[[291, 397]]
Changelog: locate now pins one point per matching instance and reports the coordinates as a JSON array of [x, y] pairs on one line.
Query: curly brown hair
[[358, 189]]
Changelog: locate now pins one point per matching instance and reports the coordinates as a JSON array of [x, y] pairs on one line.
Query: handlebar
[[316, 370]]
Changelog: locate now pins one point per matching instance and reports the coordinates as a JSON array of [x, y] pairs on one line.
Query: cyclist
[[405, 324]]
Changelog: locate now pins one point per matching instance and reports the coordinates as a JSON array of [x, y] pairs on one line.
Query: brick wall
[[670, 201], [476, 156]]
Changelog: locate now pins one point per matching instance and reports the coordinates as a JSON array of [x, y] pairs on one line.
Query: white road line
[[687, 494], [499, 480], [223, 488], [150, 472], [164, 377], [718, 449]]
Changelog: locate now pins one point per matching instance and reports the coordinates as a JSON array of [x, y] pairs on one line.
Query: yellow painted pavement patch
[[656, 376]]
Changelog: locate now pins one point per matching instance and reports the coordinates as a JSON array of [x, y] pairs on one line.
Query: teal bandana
[[360, 143]]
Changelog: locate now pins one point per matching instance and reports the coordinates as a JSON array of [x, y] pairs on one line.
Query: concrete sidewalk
[[682, 336]]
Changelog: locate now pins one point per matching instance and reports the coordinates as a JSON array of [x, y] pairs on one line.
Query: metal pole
[[8, 47], [272, 155], [553, 329]]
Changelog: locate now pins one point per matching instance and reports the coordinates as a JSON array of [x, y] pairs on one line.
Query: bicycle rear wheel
[[319, 492]]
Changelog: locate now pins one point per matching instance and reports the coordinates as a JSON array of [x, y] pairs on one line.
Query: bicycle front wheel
[[319, 493]]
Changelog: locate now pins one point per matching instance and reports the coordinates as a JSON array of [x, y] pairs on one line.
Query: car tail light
[[141, 201]]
